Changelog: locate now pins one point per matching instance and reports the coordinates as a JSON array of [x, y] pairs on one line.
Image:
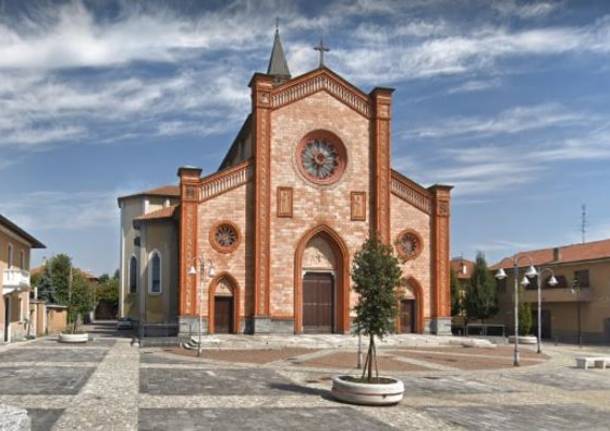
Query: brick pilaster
[[261, 86], [381, 102], [441, 307], [189, 201]]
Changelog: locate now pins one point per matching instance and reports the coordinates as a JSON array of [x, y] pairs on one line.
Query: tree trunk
[[372, 358]]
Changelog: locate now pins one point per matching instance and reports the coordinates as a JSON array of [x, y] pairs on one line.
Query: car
[[125, 323]]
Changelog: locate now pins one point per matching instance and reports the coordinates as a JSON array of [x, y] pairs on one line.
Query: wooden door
[[223, 314], [318, 303], [407, 316]]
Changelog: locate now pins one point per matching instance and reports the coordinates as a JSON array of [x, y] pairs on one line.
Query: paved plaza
[[110, 384]]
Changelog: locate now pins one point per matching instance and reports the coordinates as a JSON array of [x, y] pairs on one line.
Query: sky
[[505, 100]]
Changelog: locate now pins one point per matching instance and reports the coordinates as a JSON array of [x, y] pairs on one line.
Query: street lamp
[[501, 275], [552, 282], [193, 272]]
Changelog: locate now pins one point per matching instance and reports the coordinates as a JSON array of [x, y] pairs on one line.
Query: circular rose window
[[224, 237], [409, 244], [321, 157]]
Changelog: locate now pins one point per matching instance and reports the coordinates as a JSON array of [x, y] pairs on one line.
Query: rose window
[[321, 157], [409, 244], [224, 237]]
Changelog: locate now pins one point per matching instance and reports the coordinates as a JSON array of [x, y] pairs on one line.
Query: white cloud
[[513, 120], [475, 85], [526, 10], [47, 210]]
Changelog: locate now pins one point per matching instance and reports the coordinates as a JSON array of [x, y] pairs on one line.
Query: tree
[[481, 300], [82, 297], [376, 275], [456, 293], [108, 293]]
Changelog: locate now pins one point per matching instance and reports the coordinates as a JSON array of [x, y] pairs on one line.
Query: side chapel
[[307, 179]]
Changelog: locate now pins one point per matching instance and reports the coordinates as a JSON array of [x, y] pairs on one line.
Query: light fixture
[[211, 269], [531, 272], [192, 270], [501, 274], [552, 281], [525, 281]]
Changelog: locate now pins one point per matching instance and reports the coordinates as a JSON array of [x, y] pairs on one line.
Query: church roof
[[278, 66], [161, 214], [163, 191]]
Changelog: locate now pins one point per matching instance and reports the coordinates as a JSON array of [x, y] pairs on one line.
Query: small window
[[582, 277], [501, 285], [10, 256], [133, 274], [155, 273]]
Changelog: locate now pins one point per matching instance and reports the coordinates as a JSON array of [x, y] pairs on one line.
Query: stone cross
[[322, 49]]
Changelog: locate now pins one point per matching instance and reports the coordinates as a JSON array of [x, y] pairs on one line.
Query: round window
[[409, 244], [321, 157], [224, 237]]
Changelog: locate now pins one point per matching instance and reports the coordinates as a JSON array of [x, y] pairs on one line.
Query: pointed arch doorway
[[321, 294], [410, 317]]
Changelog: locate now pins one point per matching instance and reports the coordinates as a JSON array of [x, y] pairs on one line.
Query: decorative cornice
[[411, 192], [321, 79], [223, 181]]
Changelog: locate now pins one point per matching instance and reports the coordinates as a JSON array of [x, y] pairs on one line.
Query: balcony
[[15, 280], [559, 295]]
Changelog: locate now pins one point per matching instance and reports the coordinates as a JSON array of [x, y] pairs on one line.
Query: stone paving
[[110, 384]]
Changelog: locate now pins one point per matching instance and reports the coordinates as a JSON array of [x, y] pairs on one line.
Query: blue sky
[[506, 100]]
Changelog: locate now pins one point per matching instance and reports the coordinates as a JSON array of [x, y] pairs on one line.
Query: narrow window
[[22, 259], [133, 274], [582, 277], [10, 256], [155, 273]]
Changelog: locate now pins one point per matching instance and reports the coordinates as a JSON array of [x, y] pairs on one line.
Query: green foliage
[[108, 290], [526, 320], [376, 275], [61, 284], [82, 296], [58, 268], [481, 301], [456, 294]]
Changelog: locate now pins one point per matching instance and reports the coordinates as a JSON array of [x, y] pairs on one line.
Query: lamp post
[[501, 275], [193, 272], [552, 282]]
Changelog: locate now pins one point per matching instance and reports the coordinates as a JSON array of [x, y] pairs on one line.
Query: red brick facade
[[277, 210]]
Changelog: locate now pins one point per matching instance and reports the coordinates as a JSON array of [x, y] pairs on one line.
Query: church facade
[[307, 179]]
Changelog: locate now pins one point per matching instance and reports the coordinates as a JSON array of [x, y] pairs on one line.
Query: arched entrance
[[410, 308], [321, 294], [223, 305]]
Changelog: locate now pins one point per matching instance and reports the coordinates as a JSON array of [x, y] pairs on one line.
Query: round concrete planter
[[379, 394], [523, 339], [73, 338]]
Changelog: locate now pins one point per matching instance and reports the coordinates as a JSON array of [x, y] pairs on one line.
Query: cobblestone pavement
[[109, 384]]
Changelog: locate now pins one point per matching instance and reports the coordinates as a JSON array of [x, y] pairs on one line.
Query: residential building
[[578, 307], [15, 247]]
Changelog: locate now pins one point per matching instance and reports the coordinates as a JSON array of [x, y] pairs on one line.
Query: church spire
[[278, 67]]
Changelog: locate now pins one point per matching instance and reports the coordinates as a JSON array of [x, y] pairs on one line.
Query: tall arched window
[[133, 274], [154, 273], [10, 256]]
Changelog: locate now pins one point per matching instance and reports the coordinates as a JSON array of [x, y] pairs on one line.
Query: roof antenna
[[583, 223]]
